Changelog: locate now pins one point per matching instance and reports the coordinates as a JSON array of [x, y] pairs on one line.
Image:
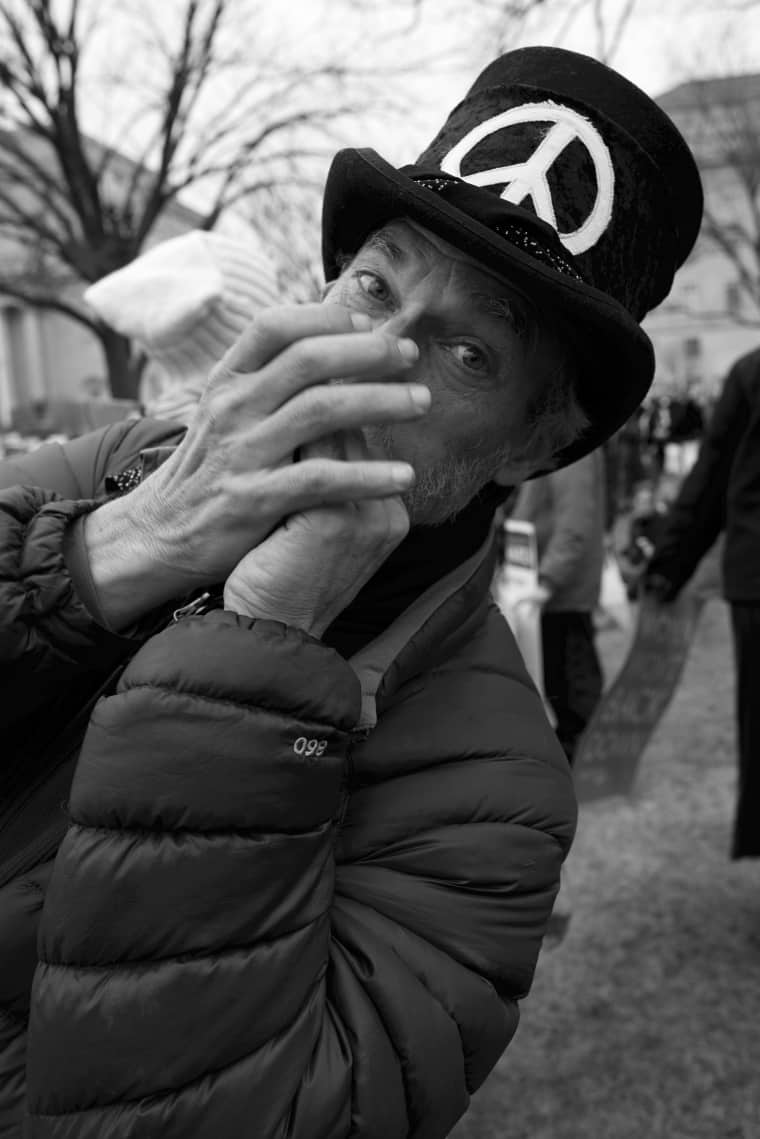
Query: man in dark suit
[[722, 493]]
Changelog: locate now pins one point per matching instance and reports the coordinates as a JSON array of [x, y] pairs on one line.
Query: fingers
[[276, 328], [318, 360], [324, 482], [322, 411], [291, 356], [388, 513], [368, 525]]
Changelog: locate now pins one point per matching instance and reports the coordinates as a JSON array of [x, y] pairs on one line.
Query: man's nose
[[404, 322]]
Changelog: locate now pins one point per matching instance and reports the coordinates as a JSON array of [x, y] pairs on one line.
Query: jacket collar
[[428, 630]]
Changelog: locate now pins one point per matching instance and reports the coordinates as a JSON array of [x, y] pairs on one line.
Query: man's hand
[[233, 480], [312, 566], [658, 588]]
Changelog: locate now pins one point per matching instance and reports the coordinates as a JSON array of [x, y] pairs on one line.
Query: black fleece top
[[426, 555]]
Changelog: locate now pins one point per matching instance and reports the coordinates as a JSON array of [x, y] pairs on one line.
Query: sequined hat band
[[516, 234]]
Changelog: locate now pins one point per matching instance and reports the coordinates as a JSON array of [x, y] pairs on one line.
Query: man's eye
[[470, 357], [374, 286]]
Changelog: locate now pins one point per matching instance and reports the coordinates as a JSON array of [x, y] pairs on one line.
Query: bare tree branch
[[213, 106], [620, 28], [42, 301], [24, 170]]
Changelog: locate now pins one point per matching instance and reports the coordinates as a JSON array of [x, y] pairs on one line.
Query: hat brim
[[614, 355]]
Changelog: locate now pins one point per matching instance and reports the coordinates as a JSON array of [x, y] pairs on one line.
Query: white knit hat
[[185, 302]]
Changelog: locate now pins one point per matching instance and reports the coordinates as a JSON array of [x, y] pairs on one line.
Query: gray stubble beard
[[443, 490]]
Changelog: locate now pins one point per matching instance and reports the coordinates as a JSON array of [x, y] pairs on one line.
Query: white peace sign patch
[[529, 179]]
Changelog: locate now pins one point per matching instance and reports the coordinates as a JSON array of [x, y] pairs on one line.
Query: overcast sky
[[667, 40], [664, 42]]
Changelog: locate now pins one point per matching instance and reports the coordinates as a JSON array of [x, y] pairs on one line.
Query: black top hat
[[561, 175]]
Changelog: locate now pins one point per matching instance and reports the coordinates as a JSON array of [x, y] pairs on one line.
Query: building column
[[22, 368], [36, 380], [7, 400]]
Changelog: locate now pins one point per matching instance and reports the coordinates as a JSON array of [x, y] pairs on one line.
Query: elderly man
[[316, 825]]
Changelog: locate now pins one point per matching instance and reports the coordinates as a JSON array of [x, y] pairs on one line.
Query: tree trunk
[[122, 368]]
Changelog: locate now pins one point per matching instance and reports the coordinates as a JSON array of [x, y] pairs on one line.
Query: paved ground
[[645, 1022]]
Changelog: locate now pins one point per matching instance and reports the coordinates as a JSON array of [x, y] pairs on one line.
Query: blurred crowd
[[661, 439], [645, 464]]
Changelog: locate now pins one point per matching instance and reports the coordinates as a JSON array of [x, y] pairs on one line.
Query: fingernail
[[421, 397], [403, 474], [408, 350], [361, 321]]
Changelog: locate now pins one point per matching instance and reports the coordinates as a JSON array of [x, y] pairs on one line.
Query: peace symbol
[[529, 179]]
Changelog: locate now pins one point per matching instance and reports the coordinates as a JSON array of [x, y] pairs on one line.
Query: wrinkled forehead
[[402, 238], [477, 289]]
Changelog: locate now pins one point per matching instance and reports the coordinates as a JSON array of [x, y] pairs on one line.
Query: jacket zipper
[[357, 737], [198, 606]]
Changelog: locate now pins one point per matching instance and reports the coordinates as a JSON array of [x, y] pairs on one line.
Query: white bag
[[613, 597], [514, 591]]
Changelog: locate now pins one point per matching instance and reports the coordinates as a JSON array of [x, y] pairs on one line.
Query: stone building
[[712, 315]]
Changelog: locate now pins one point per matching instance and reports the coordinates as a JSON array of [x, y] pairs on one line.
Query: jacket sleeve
[[212, 963], [76, 469], [49, 641], [575, 492], [47, 638], [698, 514]]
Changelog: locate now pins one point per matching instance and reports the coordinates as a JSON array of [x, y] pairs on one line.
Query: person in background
[[722, 493], [686, 417], [625, 468], [687, 424], [184, 302], [645, 527], [657, 434], [567, 508]]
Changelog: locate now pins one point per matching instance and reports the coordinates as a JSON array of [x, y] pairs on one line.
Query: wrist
[[126, 571], [244, 605]]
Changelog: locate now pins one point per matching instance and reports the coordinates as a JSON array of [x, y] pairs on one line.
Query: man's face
[[472, 357]]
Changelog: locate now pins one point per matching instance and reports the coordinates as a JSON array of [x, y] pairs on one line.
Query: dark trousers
[[572, 673], [745, 618]]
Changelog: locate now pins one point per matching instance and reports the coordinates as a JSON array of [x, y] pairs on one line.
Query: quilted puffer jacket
[[299, 896]]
